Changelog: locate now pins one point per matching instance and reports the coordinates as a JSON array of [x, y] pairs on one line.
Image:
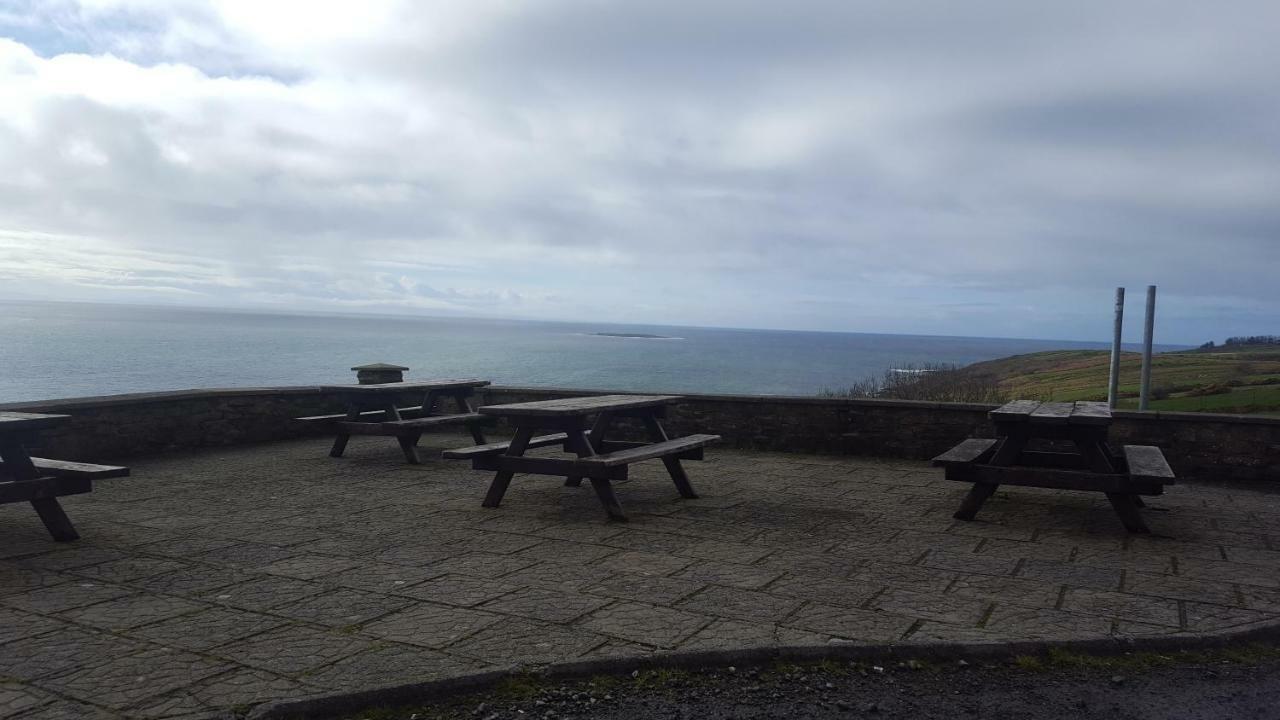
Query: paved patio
[[223, 579]]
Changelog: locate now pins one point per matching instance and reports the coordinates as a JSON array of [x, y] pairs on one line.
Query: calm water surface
[[52, 350]]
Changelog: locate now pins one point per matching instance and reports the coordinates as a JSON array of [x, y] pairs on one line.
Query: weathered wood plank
[[402, 428], [1014, 410], [578, 406], [1090, 413], [43, 487], [971, 450], [1053, 413], [1147, 462], [1053, 479], [650, 451], [365, 416], [63, 468], [497, 448], [13, 421]]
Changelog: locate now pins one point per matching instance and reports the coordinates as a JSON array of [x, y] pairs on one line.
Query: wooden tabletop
[[15, 421], [571, 407], [1053, 413], [399, 387]]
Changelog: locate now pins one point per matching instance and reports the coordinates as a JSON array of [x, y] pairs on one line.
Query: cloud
[[994, 168]]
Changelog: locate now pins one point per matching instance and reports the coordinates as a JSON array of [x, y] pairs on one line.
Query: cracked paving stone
[[382, 577], [928, 606], [342, 607], [134, 678], [131, 611], [129, 569], [850, 623], [568, 552], [15, 625], [646, 589], [831, 591], [238, 688], [740, 604], [74, 557], [645, 624], [747, 577], [1081, 576], [58, 652], [1203, 617], [390, 666], [208, 629], [1179, 588], [65, 597], [1017, 622], [482, 565], [1018, 591], [731, 634], [557, 576], [460, 590], [186, 547], [263, 593], [15, 698], [16, 579], [644, 563], [292, 650], [527, 641], [970, 563], [191, 581], [542, 604], [308, 567], [1223, 571], [431, 625], [1122, 606], [60, 709], [246, 556], [499, 542]]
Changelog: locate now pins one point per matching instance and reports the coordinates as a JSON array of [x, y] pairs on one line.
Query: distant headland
[[641, 336]]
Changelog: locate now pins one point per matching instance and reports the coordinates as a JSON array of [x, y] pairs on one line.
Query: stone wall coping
[[86, 403], [164, 396]]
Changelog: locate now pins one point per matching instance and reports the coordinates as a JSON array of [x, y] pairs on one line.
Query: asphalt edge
[[331, 704]]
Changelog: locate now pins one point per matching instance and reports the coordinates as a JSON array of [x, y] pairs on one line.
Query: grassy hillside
[[1243, 379]]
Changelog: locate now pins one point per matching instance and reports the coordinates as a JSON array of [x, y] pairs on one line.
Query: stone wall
[[1203, 446], [1200, 445]]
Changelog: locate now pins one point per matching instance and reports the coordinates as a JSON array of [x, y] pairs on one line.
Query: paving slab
[[199, 587]]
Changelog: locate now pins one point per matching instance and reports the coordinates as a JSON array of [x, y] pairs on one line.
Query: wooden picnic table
[[41, 481], [1008, 460], [373, 410], [598, 459]]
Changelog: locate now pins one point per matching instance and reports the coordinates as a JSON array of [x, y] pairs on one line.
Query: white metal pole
[[1147, 333], [1113, 383]]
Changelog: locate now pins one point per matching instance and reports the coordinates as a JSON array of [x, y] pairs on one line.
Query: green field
[[1242, 379]]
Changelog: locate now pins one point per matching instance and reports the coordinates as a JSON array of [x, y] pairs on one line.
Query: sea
[[64, 350]]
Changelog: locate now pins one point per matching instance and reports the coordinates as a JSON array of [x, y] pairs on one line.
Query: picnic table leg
[[498, 487], [55, 519], [409, 445], [464, 406], [594, 442], [1128, 511], [604, 491], [973, 502], [674, 468], [340, 441]]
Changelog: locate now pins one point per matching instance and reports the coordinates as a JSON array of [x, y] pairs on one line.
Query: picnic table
[[1007, 459], [599, 459], [41, 481], [373, 410]]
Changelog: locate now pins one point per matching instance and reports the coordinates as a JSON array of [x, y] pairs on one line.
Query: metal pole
[[1113, 383], [1147, 332]]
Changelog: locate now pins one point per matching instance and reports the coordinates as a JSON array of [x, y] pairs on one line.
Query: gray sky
[[988, 168]]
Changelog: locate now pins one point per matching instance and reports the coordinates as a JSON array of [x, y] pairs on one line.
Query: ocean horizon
[[59, 350]]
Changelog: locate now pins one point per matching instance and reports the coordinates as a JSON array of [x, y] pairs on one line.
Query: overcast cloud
[[924, 167]]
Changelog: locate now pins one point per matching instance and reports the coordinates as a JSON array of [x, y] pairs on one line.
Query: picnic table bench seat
[[366, 415]]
